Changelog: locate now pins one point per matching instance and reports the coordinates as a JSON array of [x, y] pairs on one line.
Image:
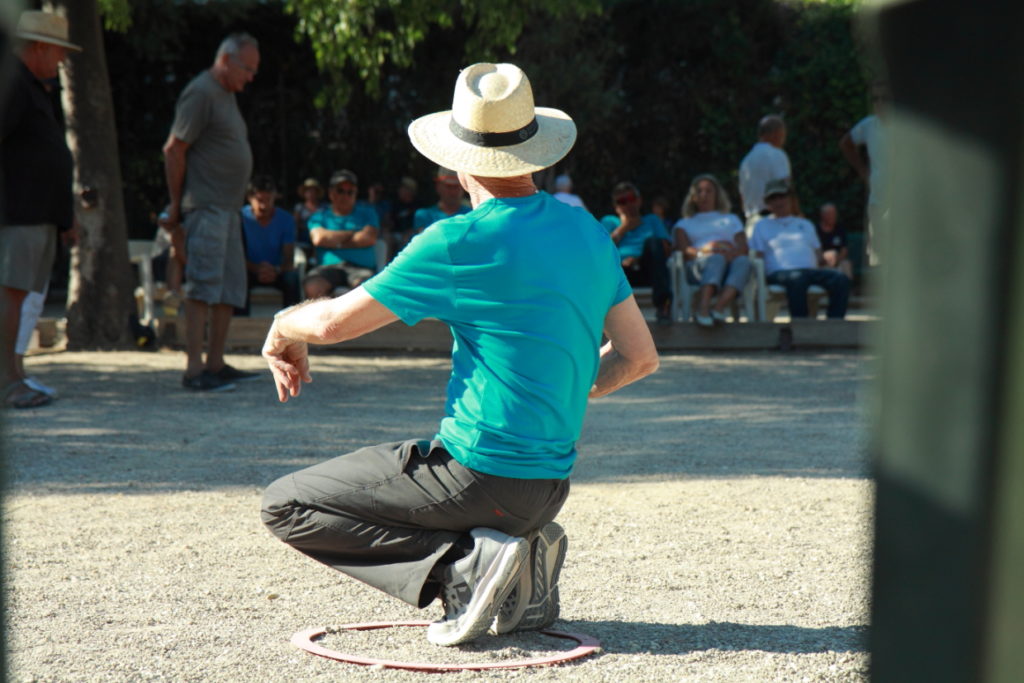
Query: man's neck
[[339, 212], [218, 75], [482, 189]]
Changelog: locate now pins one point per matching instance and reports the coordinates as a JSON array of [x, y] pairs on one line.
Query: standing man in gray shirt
[[208, 163]]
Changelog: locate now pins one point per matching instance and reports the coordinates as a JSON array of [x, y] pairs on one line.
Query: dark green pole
[[949, 553]]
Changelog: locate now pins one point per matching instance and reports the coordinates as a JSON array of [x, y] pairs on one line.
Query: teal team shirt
[[632, 243], [425, 217], [525, 284], [360, 217]]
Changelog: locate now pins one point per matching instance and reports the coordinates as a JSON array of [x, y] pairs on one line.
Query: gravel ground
[[719, 525]]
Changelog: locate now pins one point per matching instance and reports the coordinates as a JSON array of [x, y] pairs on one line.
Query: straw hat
[[493, 129], [45, 28]]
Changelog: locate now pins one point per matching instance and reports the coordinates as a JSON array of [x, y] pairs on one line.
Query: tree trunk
[[101, 287]]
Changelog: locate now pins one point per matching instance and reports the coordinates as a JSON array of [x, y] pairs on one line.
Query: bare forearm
[[174, 171], [330, 321], [616, 371]]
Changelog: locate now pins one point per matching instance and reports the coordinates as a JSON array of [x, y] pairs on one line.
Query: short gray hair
[[234, 43], [769, 124]]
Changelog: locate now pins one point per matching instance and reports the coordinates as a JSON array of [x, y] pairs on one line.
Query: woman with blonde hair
[[714, 248]]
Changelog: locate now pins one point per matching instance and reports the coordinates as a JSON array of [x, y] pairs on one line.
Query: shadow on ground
[[124, 424]]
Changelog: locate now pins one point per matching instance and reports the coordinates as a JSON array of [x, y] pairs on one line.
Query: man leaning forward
[[527, 285]]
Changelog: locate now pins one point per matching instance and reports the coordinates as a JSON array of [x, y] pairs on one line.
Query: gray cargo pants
[[386, 514]]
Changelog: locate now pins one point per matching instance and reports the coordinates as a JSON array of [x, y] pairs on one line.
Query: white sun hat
[[493, 129], [45, 28]]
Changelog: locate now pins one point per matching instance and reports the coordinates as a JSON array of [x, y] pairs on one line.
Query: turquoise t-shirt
[[429, 215], [361, 216], [632, 243], [525, 284]]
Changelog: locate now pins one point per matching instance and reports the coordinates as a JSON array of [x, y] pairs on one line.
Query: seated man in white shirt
[[792, 254]]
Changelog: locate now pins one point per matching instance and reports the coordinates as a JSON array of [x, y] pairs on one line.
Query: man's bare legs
[[220, 321], [10, 318], [197, 315]]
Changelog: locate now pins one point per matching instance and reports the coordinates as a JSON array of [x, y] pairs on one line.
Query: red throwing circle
[[304, 639]]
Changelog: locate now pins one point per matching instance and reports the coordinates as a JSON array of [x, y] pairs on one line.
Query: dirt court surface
[[719, 524]]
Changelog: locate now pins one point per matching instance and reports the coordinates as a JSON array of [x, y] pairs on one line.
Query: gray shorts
[[26, 256], [215, 257]]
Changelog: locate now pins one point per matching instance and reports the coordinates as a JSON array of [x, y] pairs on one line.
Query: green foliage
[[364, 36], [661, 90], [117, 15]]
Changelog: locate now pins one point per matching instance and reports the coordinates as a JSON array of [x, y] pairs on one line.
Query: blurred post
[[948, 595]]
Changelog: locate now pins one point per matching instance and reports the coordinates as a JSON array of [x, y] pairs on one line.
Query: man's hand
[[289, 363], [266, 273]]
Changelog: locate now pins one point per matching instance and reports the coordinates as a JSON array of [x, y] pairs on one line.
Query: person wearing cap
[[37, 189], [208, 162], [344, 234], [528, 286], [644, 246], [766, 160], [311, 195], [563, 192], [449, 203], [792, 254]]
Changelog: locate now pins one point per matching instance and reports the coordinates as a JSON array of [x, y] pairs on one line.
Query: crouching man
[[527, 285]]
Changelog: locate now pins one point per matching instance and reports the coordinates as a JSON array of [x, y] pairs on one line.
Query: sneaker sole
[[501, 577], [538, 583]]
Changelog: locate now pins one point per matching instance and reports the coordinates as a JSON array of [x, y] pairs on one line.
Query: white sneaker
[[533, 604], [476, 586], [34, 383]]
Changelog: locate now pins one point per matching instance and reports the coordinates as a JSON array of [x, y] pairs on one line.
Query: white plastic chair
[[684, 293], [771, 298]]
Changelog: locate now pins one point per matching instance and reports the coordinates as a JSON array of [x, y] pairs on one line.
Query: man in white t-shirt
[[764, 162], [792, 255], [869, 134]]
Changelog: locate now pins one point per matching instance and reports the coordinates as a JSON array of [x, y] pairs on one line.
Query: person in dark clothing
[[37, 199]]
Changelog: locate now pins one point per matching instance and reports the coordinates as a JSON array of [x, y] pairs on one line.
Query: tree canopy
[[661, 89], [365, 36]]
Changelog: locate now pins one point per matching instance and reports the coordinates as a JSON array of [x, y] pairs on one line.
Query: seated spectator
[[398, 228], [643, 246], [792, 254], [714, 248], [269, 243], [375, 197], [832, 236], [449, 203], [344, 234], [563, 192], [312, 195], [659, 207]]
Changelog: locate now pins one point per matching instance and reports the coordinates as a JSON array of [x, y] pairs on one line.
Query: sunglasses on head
[[625, 198]]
